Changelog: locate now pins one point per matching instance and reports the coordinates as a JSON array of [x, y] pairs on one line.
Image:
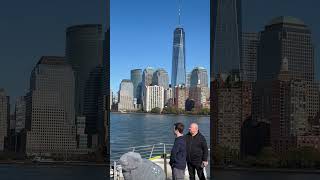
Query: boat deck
[[155, 154]]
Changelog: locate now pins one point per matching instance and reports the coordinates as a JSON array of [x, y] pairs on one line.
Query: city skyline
[[155, 36], [197, 68]]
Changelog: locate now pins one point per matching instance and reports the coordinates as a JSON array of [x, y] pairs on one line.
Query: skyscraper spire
[[179, 13]]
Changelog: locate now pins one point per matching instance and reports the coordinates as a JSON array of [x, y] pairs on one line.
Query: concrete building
[[125, 96], [50, 112], [154, 98], [286, 93], [288, 37], [229, 111], [168, 96], [181, 94], [200, 96], [4, 118]]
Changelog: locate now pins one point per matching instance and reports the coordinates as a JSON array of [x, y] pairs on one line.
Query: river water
[[44, 172], [135, 130], [128, 130]]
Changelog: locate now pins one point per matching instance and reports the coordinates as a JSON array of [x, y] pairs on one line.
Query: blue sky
[[142, 35], [34, 28]]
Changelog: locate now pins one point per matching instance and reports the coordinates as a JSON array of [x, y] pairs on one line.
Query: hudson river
[[128, 130], [135, 130]]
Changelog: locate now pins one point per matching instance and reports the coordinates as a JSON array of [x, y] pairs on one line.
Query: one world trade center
[[178, 76]]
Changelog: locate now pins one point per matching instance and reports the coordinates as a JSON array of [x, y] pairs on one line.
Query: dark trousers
[[192, 171]]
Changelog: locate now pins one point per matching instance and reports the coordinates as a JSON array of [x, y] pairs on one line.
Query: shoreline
[[115, 112], [268, 170]]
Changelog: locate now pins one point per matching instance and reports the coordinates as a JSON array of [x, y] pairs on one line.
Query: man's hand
[[205, 163]]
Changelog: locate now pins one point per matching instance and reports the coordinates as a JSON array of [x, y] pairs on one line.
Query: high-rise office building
[[82, 137], [280, 40], [104, 123], [20, 113], [199, 77], [286, 37], [178, 75], [249, 55], [84, 52], [286, 93], [93, 104], [168, 96], [50, 112], [178, 72], [188, 79], [136, 78], [125, 96], [289, 117], [147, 76], [154, 98], [227, 27], [161, 78], [4, 118]]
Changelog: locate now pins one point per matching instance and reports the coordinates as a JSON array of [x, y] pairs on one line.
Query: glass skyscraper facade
[[84, 52], [227, 36], [286, 37], [161, 78], [199, 76], [178, 76], [249, 55], [136, 78]]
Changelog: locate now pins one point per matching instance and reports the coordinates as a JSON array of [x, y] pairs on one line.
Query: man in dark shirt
[[197, 152], [178, 154]]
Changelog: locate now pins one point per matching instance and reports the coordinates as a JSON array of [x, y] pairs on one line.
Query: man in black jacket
[[178, 153], [197, 152]]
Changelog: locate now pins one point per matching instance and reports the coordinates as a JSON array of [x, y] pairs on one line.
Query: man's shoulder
[[182, 140], [201, 136]]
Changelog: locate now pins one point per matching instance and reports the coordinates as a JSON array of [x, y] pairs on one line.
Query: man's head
[[193, 129], [178, 129]]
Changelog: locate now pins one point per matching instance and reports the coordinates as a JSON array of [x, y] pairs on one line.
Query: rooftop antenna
[[179, 14]]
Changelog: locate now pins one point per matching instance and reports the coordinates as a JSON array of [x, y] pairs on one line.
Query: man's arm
[[174, 152], [204, 149]]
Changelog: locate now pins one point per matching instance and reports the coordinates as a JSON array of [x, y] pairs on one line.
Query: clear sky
[[33, 28], [142, 35], [256, 13]]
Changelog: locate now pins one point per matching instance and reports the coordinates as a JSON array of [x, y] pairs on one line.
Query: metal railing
[[160, 150]]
